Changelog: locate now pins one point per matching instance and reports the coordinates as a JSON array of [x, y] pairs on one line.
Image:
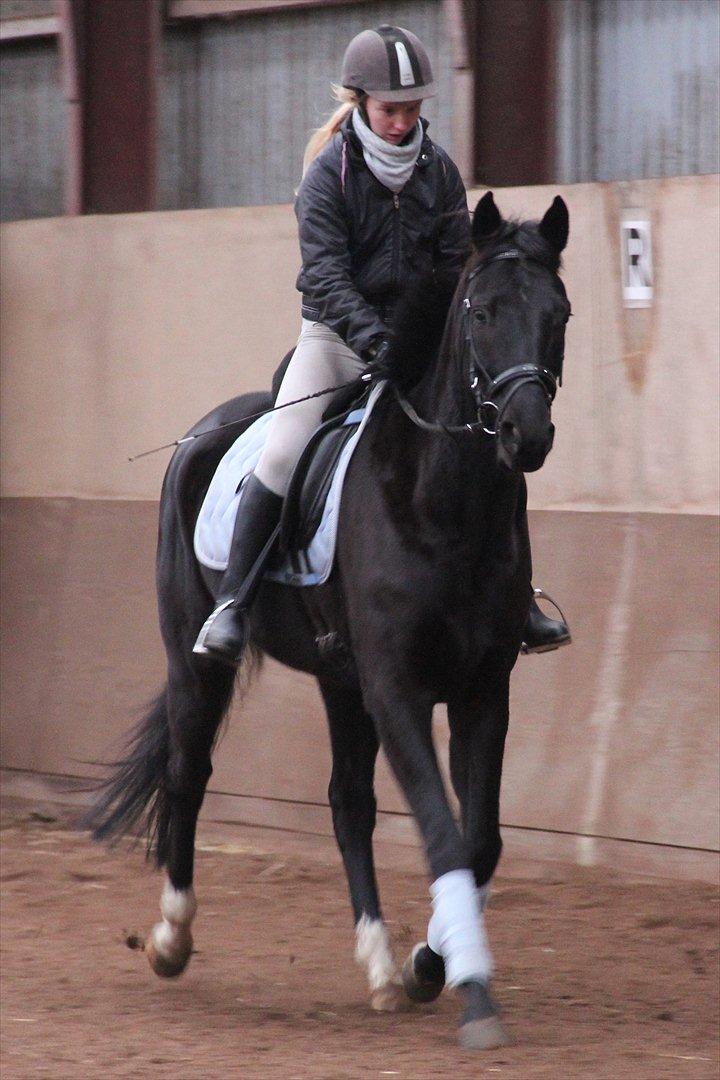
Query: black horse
[[429, 595]]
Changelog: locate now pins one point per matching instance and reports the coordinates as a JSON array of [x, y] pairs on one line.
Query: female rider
[[378, 202]]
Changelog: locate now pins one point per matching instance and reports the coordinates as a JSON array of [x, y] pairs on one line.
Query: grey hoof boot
[[480, 1027], [423, 974], [541, 634]]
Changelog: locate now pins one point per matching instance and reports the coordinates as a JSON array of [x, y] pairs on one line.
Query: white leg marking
[[170, 942], [374, 952], [178, 906], [457, 928]]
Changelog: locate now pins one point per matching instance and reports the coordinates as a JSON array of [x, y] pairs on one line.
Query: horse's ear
[[487, 219], [555, 226]]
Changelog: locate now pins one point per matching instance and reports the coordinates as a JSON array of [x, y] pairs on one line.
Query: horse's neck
[[453, 483]]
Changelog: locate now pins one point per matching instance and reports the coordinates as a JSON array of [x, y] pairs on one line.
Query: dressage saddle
[[311, 479], [310, 483]]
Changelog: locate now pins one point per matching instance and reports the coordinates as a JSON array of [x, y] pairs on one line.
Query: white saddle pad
[[216, 520]]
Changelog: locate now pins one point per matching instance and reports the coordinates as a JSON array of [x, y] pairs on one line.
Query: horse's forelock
[[422, 308], [523, 236]]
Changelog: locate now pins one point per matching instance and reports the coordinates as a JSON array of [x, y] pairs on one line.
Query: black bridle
[[484, 388]]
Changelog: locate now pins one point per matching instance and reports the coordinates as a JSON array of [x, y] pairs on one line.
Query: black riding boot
[[542, 634], [224, 635]]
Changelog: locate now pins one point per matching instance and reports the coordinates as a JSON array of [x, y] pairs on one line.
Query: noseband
[[491, 395]]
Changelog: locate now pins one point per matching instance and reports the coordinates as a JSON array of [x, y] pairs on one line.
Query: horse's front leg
[[457, 931], [478, 728], [352, 800]]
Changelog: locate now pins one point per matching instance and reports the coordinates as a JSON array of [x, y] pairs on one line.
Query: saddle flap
[[306, 547], [311, 480], [347, 398]]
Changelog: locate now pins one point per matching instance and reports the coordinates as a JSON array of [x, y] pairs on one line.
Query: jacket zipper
[[396, 240]]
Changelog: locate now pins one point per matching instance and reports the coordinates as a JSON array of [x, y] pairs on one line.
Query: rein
[[484, 394], [515, 377]]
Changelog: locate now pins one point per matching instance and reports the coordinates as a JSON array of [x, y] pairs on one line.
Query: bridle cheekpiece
[[484, 388], [519, 375]]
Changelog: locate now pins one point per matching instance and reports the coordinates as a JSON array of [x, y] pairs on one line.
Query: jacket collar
[[427, 149]]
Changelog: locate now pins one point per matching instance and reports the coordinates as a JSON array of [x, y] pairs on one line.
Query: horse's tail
[[132, 798]]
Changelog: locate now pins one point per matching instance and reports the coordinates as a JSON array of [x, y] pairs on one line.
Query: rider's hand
[[378, 358]]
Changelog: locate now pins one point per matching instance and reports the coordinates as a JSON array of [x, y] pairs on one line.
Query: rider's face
[[392, 120]]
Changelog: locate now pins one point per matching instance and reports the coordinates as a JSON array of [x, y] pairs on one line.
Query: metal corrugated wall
[[239, 99], [637, 96], [32, 130], [638, 88]]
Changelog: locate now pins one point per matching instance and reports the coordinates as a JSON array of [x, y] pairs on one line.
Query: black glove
[[379, 359]]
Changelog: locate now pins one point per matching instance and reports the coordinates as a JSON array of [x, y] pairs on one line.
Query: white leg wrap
[[457, 928], [372, 950]]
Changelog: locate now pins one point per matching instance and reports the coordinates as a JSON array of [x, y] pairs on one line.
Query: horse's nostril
[[510, 435]]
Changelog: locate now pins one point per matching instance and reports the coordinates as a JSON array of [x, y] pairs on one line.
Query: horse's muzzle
[[522, 450]]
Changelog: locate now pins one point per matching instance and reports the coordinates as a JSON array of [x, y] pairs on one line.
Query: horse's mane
[[422, 308], [417, 327]]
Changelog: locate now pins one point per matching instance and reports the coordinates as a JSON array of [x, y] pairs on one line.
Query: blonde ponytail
[[319, 138]]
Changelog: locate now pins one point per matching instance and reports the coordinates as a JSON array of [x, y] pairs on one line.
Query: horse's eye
[[481, 316]]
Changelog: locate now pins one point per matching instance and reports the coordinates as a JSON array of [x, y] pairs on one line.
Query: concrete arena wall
[[119, 332]]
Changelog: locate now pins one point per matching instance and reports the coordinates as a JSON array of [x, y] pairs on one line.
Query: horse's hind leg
[[352, 799], [197, 699]]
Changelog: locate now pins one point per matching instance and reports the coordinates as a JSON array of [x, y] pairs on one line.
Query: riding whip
[[364, 378]]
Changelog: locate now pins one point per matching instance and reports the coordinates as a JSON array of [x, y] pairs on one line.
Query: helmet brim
[[406, 93]]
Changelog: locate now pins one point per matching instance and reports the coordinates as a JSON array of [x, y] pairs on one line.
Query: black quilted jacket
[[360, 243]]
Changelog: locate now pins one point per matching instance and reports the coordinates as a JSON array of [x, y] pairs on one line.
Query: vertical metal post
[[514, 62], [110, 58], [71, 65], [457, 22]]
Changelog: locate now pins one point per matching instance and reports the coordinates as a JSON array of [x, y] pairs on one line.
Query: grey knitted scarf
[[391, 164]]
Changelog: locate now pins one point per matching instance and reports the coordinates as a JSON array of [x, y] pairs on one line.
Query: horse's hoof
[[168, 959], [385, 998], [480, 1027], [423, 974], [486, 1034]]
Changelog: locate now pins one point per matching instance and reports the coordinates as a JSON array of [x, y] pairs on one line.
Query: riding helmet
[[389, 64]]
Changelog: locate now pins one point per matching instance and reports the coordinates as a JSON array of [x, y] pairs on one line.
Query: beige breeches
[[321, 359]]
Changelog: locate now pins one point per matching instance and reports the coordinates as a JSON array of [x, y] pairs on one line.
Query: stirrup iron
[[552, 645], [199, 646], [540, 594]]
